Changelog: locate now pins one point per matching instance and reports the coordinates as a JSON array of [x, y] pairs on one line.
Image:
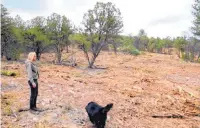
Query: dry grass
[[139, 87], [6, 104], [9, 104]]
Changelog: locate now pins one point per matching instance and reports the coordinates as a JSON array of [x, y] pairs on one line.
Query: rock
[[35, 119], [51, 85]]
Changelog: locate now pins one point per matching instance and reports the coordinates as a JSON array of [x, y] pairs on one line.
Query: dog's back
[[97, 114]]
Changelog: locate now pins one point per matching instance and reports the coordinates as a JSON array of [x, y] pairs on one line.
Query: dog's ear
[[107, 108]]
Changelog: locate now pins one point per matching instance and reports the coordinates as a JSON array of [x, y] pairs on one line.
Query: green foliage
[[196, 22], [127, 45], [133, 51], [198, 60], [18, 33], [191, 56], [38, 34], [101, 23], [9, 73], [184, 56], [159, 45], [180, 43], [59, 28], [7, 37], [141, 40], [151, 46], [130, 49], [187, 56], [18, 29], [81, 39], [127, 41], [13, 53], [167, 42]]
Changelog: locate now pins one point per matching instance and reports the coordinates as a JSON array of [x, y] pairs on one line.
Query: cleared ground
[[139, 86]]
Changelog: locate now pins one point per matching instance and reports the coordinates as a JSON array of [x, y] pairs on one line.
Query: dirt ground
[[140, 87]]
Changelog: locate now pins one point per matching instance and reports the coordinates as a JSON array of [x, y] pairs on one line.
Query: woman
[[33, 76]]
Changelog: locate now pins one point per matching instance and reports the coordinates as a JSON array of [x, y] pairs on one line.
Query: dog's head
[[98, 114], [107, 108]]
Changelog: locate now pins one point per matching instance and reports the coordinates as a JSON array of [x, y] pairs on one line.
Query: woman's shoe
[[36, 109]]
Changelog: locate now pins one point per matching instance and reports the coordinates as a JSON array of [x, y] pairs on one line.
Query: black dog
[[98, 114]]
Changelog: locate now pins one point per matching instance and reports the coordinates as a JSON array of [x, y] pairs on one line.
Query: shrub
[[13, 53], [9, 73], [131, 50], [184, 56]]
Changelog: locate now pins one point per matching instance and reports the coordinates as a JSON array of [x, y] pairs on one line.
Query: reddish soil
[[139, 87]]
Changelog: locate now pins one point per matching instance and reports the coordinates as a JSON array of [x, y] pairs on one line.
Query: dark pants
[[34, 94]]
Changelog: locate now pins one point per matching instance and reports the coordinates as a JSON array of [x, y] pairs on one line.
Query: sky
[[159, 18]]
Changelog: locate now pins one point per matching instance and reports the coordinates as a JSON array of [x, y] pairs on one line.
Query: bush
[[9, 73], [191, 56], [131, 50], [198, 60], [134, 52], [185, 56], [13, 54]]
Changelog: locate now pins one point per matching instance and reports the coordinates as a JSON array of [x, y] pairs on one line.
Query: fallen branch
[[22, 110], [168, 116], [194, 114]]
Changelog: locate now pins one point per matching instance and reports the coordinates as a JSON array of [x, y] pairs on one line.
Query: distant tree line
[[101, 30]]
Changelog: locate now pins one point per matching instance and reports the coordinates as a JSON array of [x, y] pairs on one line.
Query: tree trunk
[[198, 57], [38, 53], [59, 57], [58, 54], [95, 54], [38, 56], [180, 54], [7, 53], [87, 57], [1, 54], [115, 48], [92, 61], [67, 49]]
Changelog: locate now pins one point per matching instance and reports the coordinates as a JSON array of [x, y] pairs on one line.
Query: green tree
[[127, 45], [83, 41], [6, 31], [35, 36], [180, 44], [159, 45], [18, 28], [196, 22], [100, 24], [9, 43], [167, 44], [141, 40], [151, 46], [59, 29]]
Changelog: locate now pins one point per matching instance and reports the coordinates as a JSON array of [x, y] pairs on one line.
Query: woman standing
[[33, 76]]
